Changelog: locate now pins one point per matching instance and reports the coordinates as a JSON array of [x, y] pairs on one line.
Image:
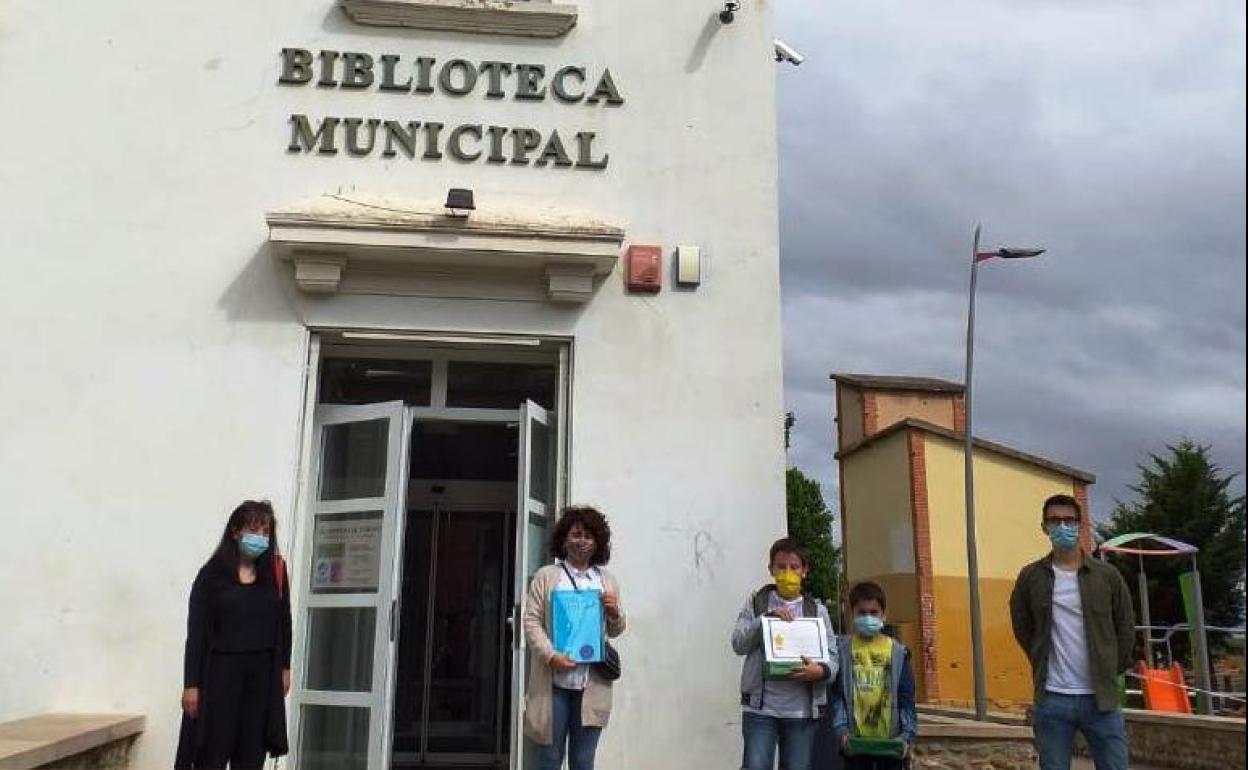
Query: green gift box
[[877, 747], [780, 670]]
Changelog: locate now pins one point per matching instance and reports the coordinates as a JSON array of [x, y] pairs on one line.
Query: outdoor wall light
[[730, 12], [459, 202]]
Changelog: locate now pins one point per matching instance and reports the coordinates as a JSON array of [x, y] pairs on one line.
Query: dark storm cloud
[[1110, 132]]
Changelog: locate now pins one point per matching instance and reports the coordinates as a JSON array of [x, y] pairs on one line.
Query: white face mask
[[580, 550]]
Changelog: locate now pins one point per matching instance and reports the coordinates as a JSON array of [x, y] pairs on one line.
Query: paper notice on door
[[346, 553]]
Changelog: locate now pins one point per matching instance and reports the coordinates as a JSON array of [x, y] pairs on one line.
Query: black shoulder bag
[[609, 667]]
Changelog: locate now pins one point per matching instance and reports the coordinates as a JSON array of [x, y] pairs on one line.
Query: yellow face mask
[[789, 583]]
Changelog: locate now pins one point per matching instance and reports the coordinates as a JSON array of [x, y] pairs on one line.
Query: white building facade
[[231, 272]]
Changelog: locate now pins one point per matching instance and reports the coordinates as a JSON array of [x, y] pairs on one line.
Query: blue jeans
[[570, 737], [1057, 717], [795, 737]]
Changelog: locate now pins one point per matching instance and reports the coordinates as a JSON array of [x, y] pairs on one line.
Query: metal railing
[[1227, 695]]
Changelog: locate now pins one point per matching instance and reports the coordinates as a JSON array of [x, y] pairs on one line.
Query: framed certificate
[[785, 643]]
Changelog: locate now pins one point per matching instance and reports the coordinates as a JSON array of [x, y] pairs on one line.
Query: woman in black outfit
[[237, 668]]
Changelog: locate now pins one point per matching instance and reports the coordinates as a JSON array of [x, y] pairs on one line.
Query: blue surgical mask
[[868, 625], [252, 545], [1064, 536]]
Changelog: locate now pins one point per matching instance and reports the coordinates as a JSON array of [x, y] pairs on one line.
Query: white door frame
[[530, 510], [319, 349], [392, 504]]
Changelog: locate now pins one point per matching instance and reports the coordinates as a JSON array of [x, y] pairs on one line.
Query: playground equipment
[[1163, 689], [1229, 698], [1233, 634], [1132, 543]]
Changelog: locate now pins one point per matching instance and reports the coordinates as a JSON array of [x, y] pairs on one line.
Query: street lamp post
[[972, 549]]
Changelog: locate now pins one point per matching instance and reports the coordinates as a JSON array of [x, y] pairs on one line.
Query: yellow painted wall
[[1008, 496], [932, 407], [879, 529], [902, 590], [849, 415], [1005, 666]]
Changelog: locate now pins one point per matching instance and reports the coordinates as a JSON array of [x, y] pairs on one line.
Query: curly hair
[[593, 522]]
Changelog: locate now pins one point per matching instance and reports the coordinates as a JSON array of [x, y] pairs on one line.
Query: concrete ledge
[[1190, 721], [48, 738], [523, 18], [1185, 741], [956, 712], [949, 742], [981, 730], [950, 723]]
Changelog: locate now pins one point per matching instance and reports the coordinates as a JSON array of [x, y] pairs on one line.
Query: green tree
[[1186, 496], [810, 523]]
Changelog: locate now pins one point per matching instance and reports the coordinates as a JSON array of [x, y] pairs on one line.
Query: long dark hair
[[248, 513]]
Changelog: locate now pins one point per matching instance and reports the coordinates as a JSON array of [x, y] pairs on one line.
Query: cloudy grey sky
[[1110, 131]]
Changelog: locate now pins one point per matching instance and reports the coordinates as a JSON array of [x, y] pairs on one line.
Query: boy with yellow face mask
[[780, 715]]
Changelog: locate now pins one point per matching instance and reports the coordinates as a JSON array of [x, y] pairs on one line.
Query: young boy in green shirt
[[873, 695]]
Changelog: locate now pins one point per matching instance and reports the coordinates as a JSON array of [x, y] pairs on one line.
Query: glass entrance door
[[453, 657], [535, 509], [451, 696], [346, 622], [427, 518]]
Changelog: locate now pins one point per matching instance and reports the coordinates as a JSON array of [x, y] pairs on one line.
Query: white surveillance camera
[[786, 53]]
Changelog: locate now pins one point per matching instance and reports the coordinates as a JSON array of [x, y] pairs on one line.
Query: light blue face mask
[[252, 545], [868, 625], [1064, 536]]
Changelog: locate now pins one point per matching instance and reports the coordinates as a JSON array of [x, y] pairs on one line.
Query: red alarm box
[[645, 269]]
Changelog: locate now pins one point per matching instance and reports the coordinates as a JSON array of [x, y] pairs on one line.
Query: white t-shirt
[[591, 579], [1068, 655]]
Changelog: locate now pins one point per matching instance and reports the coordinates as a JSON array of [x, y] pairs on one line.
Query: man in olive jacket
[[1072, 616]]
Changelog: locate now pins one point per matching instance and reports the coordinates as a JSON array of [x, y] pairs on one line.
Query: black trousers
[[235, 711]]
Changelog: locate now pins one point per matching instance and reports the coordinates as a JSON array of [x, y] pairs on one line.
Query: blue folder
[[576, 624]]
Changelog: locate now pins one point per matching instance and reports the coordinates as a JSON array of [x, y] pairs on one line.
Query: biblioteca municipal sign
[[432, 140]]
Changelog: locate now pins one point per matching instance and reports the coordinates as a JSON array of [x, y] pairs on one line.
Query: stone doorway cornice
[[357, 243]]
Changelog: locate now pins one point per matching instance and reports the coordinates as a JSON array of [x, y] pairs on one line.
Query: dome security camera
[[784, 52]]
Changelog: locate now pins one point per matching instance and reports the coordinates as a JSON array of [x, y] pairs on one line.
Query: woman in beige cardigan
[[567, 704]]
